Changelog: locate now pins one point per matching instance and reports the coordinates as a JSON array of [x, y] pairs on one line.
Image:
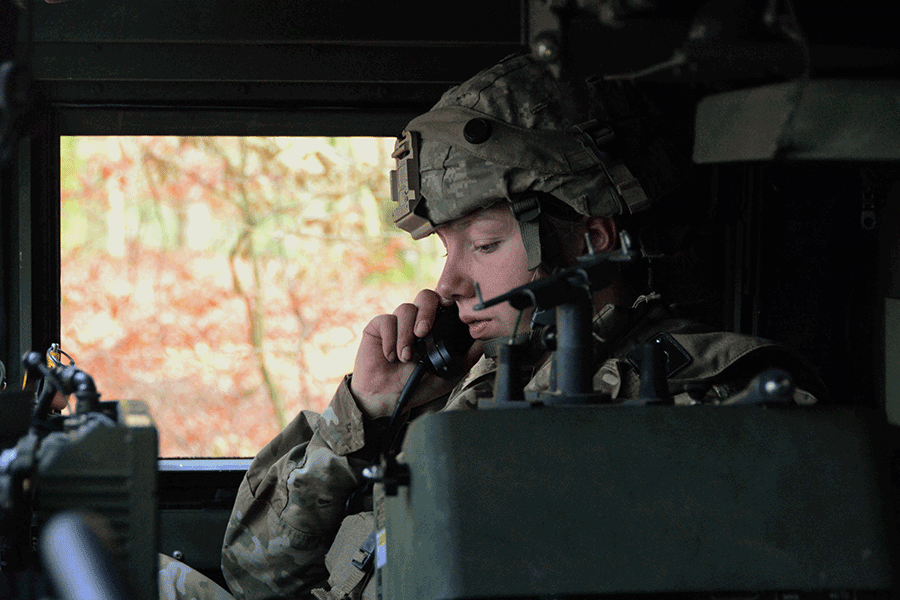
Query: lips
[[476, 326]]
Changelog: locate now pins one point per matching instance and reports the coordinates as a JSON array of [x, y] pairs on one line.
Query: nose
[[455, 283]]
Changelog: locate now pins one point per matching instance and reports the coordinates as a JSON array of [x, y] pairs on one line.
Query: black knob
[[477, 131], [32, 361]]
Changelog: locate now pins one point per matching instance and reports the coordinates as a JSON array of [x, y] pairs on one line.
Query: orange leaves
[[176, 337], [207, 276], [388, 259]]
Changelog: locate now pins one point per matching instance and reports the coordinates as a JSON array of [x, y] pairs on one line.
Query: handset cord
[[391, 432], [397, 422]]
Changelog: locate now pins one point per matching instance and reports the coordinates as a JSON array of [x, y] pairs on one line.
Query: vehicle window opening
[[224, 280]]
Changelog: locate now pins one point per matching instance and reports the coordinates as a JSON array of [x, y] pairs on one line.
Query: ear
[[603, 233]]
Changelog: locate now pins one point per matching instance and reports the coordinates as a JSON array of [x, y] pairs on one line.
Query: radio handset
[[443, 350]]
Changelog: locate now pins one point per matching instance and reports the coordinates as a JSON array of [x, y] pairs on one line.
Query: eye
[[487, 248]]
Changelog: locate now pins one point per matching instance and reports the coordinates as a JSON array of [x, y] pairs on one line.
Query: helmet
[[511, 133]]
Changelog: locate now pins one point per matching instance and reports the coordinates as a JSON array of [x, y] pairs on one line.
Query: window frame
[[30, 225]]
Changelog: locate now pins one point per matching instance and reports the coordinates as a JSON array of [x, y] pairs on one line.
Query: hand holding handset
[[443, 350]]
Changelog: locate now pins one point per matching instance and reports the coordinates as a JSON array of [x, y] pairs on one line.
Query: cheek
[[505, 314], [518, 266], [515, 279], [506, 270]]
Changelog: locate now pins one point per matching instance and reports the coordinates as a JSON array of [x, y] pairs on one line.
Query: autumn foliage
[[225, 280]]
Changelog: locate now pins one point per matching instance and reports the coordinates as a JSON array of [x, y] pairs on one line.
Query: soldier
[[515, 186]]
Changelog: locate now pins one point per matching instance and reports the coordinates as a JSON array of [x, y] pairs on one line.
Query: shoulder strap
[[349, 560]]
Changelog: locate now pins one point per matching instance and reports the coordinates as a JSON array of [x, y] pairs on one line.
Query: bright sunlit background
[[225, 281]]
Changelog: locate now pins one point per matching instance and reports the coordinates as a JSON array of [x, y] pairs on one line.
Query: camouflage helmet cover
[[509, 131]]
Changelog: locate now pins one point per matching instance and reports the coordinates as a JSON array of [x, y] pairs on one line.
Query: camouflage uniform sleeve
[[291, 502]]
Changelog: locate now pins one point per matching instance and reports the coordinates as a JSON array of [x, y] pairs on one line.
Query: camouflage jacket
[[291, 503]]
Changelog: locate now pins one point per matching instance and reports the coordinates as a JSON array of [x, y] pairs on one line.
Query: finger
[[59, 401], [406, 315], [383, 331], [427, 302]]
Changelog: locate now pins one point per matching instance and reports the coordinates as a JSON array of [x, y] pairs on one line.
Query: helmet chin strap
[[527, 211]]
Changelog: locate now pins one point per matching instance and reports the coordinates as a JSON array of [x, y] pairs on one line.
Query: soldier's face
[[484, 247]]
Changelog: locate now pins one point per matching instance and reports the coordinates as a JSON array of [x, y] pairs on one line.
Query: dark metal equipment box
[[650, 499]]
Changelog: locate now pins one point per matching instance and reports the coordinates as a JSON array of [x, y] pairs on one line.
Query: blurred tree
[[299, 222]]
